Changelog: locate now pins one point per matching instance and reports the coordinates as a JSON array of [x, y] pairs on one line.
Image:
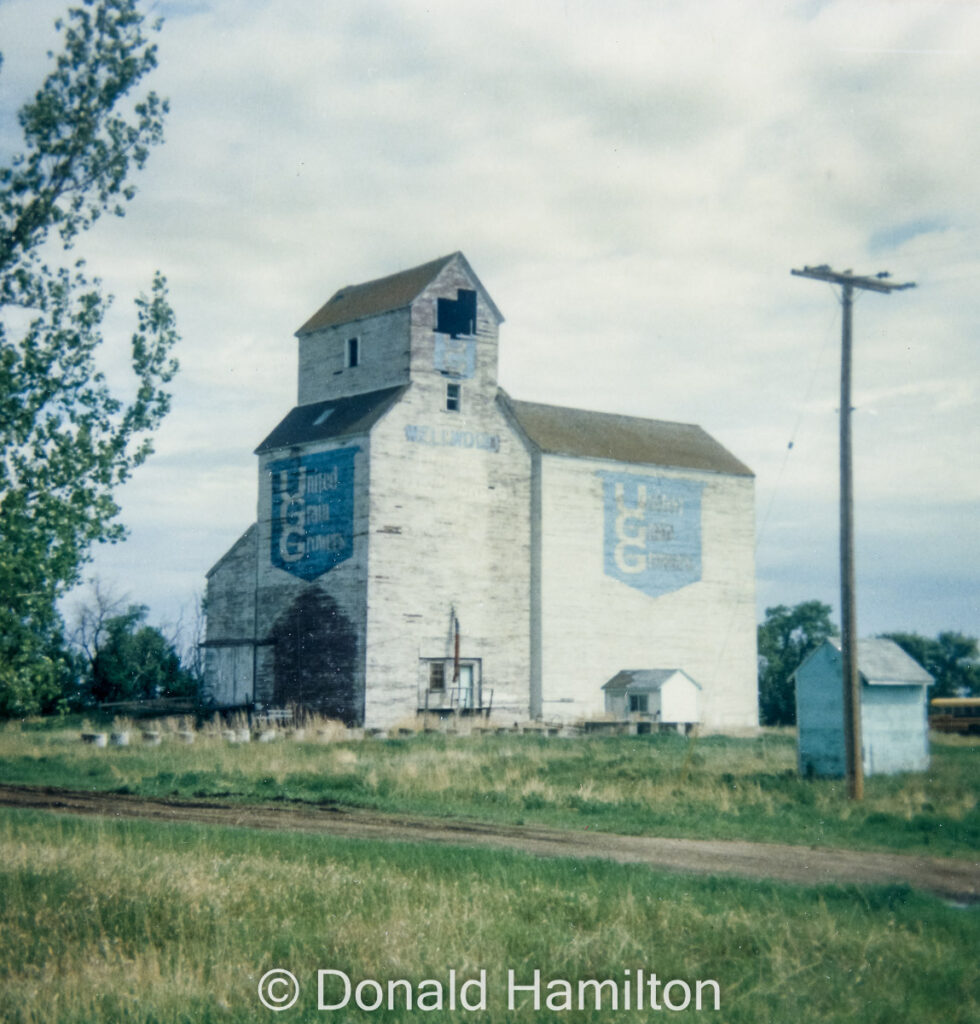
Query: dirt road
[[957, 880]]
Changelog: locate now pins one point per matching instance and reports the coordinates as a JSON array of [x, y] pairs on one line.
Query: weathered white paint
[[894, 729], [679, 700], [449, 540], [459, 518], [229, 662], [593, 625], [449, 531], [383, 358]]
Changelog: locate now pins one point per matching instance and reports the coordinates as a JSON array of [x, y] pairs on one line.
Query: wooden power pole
[[849, 668]]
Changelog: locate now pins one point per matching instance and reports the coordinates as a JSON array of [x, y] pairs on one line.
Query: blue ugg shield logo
[[652, 531], [313, 512]]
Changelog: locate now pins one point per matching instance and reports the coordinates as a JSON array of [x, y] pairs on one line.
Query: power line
[[794, 434]]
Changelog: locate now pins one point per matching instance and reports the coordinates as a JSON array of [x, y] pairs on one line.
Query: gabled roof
[[881, 662], [244, 543], [336, 417], [396, 291], [645, 680], [562, 431]]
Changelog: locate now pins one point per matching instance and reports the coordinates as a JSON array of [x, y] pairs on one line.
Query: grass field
[[104, 921], [713, 787]]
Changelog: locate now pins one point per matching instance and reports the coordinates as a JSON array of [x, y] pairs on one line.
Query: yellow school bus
[[955, 714]]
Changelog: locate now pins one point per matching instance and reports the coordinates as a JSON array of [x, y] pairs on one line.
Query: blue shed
[[894, 726]]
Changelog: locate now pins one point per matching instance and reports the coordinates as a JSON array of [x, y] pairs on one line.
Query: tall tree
[[134, 661], [66, 441], [951, 660], [785, 638]]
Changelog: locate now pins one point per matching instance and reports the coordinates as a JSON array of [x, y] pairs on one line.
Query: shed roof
[[881, 662], [336, 417], [645, 680], [563, 431], [385, 294]]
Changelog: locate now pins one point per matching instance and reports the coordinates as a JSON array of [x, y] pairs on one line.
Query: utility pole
[[849, 669]]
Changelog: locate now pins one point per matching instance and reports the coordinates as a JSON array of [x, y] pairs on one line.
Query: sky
[[633, 182]]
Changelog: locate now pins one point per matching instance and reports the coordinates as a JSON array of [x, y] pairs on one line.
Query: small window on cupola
[[352, 356]]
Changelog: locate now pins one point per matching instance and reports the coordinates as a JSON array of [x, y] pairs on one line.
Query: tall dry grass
[[143, 922], [707, 787]]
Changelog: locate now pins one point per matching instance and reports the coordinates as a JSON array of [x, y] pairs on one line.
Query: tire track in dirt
[[951, 879]]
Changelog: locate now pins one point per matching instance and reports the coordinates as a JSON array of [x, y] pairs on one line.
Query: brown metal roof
[[336, 417], [381, 296], [598, 435]]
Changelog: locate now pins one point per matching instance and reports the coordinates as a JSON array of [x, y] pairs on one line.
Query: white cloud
[[632, 182]]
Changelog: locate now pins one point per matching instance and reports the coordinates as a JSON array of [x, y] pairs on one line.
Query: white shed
[[667, 696], [894, 728]]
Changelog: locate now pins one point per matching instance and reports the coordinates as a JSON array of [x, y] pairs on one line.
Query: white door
[[466, 686]]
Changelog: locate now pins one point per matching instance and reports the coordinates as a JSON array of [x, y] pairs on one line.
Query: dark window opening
[[437, 676], [454, 396], [353, 352], [457, 316], [640, 702]]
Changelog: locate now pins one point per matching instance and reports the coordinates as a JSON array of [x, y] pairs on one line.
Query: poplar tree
[[951, 659], [66, 440], [786, 637]]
